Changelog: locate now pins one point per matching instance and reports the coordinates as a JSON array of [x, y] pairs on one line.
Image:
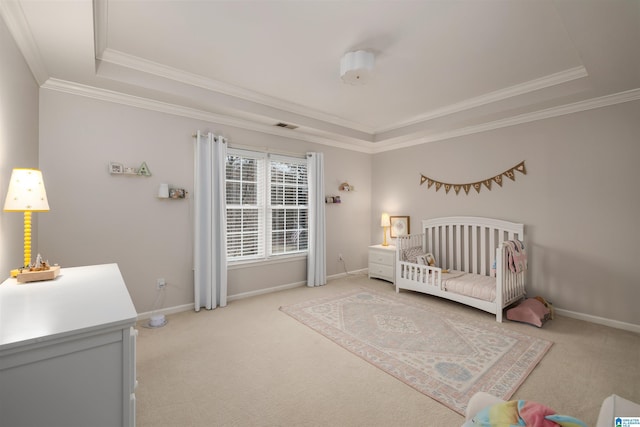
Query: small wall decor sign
[[116, 168], [509, 173]]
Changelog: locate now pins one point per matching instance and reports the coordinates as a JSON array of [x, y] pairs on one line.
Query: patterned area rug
[[445, 357]]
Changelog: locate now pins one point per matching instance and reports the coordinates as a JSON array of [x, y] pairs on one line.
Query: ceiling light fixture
[[356, 67]]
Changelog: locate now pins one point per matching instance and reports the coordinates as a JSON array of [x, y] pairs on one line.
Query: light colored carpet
[[249, 364], [448, 358]]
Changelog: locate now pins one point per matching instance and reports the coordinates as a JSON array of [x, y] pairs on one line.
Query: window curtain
[[316, 259], [210, 220]]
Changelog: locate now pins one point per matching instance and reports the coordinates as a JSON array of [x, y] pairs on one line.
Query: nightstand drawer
[[379, 270], [382, 262], [386, 258]]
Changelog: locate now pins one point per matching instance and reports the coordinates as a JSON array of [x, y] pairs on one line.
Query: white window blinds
[[288, 205], [245, 205], [267, 205]]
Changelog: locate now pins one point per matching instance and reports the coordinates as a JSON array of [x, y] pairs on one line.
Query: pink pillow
[[529, 311]]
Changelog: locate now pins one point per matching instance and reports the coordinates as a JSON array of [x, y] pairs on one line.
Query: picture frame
[[116, 168], [177, 193], [400, 226]]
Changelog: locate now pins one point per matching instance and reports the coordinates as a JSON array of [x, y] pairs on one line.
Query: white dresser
[[382, 262], [67, 350]]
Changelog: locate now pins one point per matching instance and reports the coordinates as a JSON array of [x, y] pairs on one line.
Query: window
[[267, 205]]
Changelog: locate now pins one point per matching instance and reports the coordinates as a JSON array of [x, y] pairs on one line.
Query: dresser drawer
[[379, 270], [379, 257]]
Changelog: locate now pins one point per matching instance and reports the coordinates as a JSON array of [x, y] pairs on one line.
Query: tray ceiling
[[442, 68]]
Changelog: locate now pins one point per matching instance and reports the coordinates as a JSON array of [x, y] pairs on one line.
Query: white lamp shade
[[385, 221], [26, 192], [356, 67]]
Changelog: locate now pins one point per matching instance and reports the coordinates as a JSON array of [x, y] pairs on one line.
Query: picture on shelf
[[177, 193], [116, 168]]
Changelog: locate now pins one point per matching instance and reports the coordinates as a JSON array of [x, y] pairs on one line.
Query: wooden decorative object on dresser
[[382, 262]]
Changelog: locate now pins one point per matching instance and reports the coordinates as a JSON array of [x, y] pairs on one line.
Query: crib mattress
[[472, 285]]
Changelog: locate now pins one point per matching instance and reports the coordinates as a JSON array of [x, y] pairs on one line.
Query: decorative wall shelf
[[119, 169]]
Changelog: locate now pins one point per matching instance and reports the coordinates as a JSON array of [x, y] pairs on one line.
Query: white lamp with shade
[[26, 194], [385, 222]]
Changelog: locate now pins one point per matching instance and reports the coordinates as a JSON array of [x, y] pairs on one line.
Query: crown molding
[[177, 110], [496, 96], [576, 107], [352, 145], [145, 66], [13, 16]]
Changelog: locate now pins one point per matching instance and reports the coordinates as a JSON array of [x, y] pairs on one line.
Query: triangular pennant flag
[[477, 186], [520, 168], [498, 179], [487, 183], [510, 174], [447, 187], [438, 185], [429, 182], [456, 188], [467, 187], [422, 179]]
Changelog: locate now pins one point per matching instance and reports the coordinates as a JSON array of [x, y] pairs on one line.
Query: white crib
[[466, 246]]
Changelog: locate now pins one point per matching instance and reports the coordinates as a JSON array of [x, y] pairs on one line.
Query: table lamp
[[26, 194], [385, 222]]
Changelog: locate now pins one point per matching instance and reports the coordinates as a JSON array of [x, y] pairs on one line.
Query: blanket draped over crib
[[516, 256]]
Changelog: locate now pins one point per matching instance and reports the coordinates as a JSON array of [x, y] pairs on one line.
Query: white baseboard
[[599, 320], [165, 311], [567, 313], [265, 291], [187, 307]]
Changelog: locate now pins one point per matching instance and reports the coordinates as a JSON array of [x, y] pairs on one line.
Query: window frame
[[265, 212]]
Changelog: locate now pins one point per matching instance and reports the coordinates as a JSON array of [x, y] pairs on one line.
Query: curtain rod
[[260, 149]]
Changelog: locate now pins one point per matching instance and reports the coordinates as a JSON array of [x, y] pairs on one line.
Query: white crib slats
[[458, 265], [436, 242], [451, 247], [483, 251], [492, 244], [474, 248]]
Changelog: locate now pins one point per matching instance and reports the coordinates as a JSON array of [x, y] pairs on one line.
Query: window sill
[[234, 265]]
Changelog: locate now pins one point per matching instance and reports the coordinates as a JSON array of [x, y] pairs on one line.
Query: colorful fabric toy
[[516, 413]]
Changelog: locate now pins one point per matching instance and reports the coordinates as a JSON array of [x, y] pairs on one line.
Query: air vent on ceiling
[[286, 125]]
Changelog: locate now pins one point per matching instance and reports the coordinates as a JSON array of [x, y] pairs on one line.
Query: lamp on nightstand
[[26, 194], [385, 222]]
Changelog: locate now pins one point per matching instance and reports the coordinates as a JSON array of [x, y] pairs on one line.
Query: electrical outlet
[[340, 257], [160, 284]]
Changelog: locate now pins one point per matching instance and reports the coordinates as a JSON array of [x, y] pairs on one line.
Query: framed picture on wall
[[116, 168], [399, 226]]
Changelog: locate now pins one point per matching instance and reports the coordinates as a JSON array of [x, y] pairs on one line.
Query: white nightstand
[[382, 262]]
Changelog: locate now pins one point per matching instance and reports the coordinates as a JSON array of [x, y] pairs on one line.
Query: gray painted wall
[[99, 218], [18, 144], [579, 200]]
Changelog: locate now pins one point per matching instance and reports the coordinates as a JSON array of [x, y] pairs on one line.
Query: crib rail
[[468, 243]]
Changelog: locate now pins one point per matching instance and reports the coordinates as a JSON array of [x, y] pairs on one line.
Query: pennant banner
[[509, 173]]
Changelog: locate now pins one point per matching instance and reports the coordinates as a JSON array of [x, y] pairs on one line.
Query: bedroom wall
[[579, 200], [18, 143], [99, 218]]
